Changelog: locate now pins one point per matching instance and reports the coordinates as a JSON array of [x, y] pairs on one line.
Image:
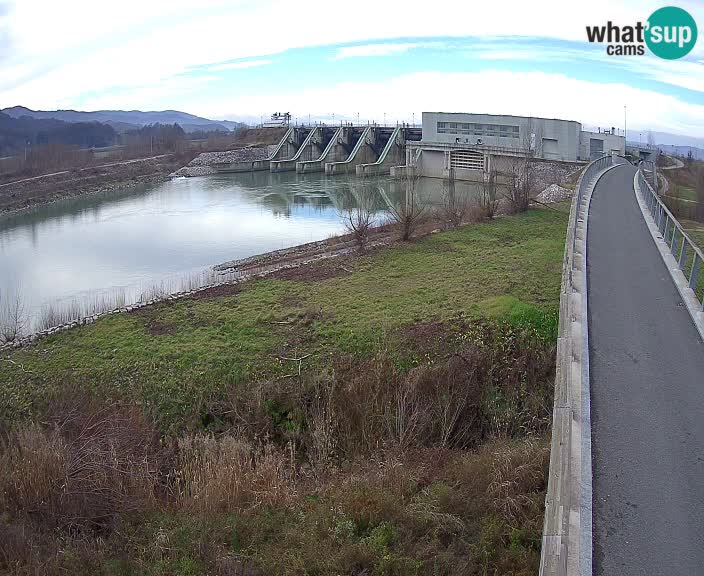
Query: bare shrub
[[520, 184], [229, 474], [488, 201], [359, 219], [455, 206], [12, 317], [518, 476], [82, 471], [411, 210]]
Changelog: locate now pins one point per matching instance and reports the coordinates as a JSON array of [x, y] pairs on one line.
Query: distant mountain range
[[665, 138], [122, 120]]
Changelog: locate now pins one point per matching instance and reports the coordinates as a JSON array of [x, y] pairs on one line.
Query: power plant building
[[473, 142]]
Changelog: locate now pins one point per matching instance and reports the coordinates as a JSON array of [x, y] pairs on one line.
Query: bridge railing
[[688, 255], [567, 530]]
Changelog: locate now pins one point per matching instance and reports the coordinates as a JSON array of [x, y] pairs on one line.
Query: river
[[79, 255]]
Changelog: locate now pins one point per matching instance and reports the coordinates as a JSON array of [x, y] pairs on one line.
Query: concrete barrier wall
[[567, 529]]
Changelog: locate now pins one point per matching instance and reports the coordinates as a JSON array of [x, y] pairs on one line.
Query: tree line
[[30, 147]]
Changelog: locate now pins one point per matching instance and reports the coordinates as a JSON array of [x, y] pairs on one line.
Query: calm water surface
[[79, 252]]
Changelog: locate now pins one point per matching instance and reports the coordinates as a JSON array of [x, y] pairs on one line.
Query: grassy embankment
[[412, 436], [695, 230], [682, 195]]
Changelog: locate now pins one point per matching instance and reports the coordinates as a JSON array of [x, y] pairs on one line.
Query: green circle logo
[[670, 33]]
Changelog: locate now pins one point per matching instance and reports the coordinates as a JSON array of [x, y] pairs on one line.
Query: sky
[[367, 60]]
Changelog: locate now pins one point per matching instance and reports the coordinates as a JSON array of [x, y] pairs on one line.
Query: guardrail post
[[673, 246], [695, 272], [666, 230], [683, 256]]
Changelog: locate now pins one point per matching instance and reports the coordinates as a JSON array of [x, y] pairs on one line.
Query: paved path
[[678, 164], [647, 379]]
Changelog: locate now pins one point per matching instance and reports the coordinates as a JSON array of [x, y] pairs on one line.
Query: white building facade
[[472, 144]]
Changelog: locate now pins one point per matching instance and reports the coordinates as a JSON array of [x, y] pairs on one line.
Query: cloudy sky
[[244, 59]]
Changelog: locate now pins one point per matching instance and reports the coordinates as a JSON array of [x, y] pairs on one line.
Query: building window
[[480, 130]]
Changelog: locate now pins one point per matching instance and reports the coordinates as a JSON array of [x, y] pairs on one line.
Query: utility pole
[[625, 125], [384, 118], [414, 119]]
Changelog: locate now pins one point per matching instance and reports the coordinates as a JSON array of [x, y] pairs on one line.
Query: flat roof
[[504, 116]]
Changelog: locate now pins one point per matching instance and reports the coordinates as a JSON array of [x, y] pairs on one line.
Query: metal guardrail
[[567, 530], [651, 167], [686, 252]]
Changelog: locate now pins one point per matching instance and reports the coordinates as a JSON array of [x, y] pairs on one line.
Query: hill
[[123, 120], [16, 133]]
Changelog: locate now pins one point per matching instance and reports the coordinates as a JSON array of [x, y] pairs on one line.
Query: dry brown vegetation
[[365, 467]]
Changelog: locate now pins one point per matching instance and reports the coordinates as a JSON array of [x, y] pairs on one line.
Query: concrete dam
[[362, 150]]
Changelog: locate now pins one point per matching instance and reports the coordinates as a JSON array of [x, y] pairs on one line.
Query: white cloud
[[687, 73], [73, 47], [239, 65], [385, 49]]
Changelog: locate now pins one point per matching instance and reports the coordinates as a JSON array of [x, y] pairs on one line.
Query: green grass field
[[695, 230], [684, 192], [175, 358]]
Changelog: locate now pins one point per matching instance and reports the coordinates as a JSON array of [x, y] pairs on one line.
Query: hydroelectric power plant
[[449, 145]]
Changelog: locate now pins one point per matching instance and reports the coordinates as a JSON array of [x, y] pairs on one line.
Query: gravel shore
[[202, 165]]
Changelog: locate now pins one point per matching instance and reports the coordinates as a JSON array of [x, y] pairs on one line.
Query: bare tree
[[12, 318], [517, 186], [455, 205], [488, 202], [359, 218], [411, 210], [520, 172]]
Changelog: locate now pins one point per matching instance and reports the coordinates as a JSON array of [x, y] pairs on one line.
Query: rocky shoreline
[[203, 164]]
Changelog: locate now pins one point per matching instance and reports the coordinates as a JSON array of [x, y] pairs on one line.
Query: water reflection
[[120, 243]]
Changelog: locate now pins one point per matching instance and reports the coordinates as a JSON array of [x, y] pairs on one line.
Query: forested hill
[[124, 120], [18, 133]]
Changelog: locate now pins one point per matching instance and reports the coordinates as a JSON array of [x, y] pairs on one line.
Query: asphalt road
[[647, 392]]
